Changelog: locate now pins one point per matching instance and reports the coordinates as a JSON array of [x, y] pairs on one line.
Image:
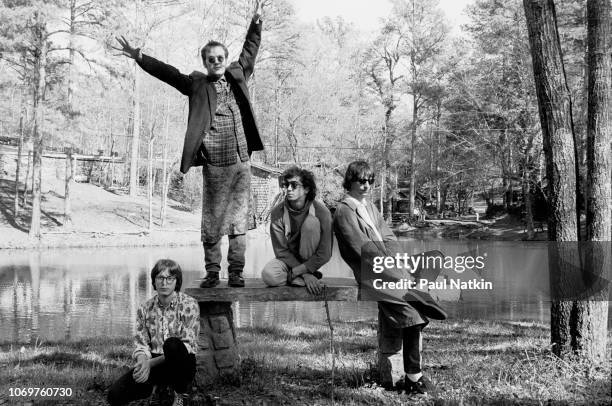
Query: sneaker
[[421, 387], [180, 399], [235, 280], [211, 280]]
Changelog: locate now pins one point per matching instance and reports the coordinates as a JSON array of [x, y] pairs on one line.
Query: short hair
[[306, 177], [173, 269], [212, 44], [355, 171]]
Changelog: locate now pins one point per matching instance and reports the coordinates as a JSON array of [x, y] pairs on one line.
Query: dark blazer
[[203, 97], [352, 232]]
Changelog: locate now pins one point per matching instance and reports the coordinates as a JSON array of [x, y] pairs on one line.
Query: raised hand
[[259, 5], [126, 49]]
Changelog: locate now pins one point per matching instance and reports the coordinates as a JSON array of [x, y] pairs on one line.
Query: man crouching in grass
[[301, 233], [167, 329]]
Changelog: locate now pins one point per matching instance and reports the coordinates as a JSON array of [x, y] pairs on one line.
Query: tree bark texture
[[135, 120], [41, 63], [69, 181], [18, 163], [592, 315], [135, 135], [413, 134], [599, 124], [555, 117], [559, 149]]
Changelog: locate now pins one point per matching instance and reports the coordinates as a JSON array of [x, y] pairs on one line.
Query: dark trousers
[[177, 370], [235, 254], [412, 349], [394, 340]]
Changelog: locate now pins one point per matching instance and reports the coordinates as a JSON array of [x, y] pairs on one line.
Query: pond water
[[69, 294]]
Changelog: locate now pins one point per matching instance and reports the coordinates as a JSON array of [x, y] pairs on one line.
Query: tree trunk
[[150, 184], [413, 132], [69, 182], [527, 184], [165, 175], [592, 315], [135, 121], [18, 163], [25, 179], [135, 134], [438, 194], [72, 27], [41, 63], [560, 152], [528, 206]]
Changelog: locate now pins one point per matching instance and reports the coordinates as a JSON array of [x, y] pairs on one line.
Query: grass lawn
[[470, 362]]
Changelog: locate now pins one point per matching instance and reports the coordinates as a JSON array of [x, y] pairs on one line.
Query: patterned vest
[[225, 142]]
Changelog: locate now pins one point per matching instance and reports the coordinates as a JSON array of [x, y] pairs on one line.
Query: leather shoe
[[211, 280], [235, 280]]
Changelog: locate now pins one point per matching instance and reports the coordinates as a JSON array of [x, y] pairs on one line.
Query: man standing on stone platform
[[221, 135]]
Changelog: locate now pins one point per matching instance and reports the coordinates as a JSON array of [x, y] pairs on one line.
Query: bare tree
[[382, 67], [576, 325]]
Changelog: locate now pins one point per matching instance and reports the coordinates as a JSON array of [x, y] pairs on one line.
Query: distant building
[[265, 189]]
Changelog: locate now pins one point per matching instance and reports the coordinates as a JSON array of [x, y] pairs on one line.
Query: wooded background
[[451, 116]]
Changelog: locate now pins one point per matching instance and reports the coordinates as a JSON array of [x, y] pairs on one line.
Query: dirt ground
[[99, 218]]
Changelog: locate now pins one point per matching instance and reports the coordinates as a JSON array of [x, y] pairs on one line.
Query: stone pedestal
[[218, 351]]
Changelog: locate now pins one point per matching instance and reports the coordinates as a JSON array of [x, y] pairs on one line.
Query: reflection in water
[[71, 294]]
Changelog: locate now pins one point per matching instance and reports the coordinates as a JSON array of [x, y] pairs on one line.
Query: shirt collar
[[354, 202], [172, 303]]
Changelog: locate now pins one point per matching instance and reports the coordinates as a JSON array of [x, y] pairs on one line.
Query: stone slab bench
[[218, 352]]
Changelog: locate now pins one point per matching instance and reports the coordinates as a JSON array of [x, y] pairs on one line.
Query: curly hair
[[355, 171], [306, 177], [173, 269]]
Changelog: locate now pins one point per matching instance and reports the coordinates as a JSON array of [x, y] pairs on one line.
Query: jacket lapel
[[211, 92], [367, 228]]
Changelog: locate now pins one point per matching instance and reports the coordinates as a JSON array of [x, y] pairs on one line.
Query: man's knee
[[274, 273], [174, 347]]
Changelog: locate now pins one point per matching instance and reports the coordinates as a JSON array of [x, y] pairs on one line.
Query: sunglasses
[[294, 184], [362, 181], [212, 59], [167, 279]]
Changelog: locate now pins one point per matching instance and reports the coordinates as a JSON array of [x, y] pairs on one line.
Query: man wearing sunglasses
[[221, 135], [361, 229], [301, 233]]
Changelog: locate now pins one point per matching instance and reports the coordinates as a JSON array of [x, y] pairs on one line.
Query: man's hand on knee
[[142, 369], [314, 286]]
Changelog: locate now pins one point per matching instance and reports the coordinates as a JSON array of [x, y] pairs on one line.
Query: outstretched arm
[[252, 41], [158, 69]]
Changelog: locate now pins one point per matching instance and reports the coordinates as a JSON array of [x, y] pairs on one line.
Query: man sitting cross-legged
[[301, 232]]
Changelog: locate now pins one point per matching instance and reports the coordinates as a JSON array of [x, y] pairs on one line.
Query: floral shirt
[[155, 323]]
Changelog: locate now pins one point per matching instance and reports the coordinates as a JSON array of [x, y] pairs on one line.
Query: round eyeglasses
[[165, 279]]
